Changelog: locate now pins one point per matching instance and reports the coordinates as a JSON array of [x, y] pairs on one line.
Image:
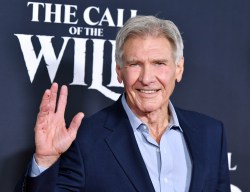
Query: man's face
[[148, 73]]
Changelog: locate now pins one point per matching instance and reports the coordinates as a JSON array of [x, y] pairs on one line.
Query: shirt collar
[[136, 122]]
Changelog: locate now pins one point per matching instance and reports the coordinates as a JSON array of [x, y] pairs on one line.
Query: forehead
[[147, 46]]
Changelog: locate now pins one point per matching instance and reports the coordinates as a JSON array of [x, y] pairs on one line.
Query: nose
[[147, 75]]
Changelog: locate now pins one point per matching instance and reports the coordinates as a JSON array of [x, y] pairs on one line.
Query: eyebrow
[[160, 60], [129, 61], [151, 60]]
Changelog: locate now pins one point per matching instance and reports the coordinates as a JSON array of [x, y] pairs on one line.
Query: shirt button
[[157, 150], [166, 180]]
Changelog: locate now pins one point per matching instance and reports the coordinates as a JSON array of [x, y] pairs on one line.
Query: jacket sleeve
[[67, 174]]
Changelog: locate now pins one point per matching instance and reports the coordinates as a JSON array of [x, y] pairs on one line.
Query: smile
[[148, 91]]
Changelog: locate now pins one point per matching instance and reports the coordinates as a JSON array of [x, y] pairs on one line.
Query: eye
[[134, 65], [160, 63]]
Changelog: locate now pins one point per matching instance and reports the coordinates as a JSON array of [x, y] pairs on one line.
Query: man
[[141, 142]]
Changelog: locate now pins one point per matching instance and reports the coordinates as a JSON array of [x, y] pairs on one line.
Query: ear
[[179, 70], [119, 73]]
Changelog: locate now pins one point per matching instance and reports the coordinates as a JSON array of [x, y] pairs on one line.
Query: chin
[[149, 109]]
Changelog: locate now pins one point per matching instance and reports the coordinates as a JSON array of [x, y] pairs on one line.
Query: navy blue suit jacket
[[105, 157]]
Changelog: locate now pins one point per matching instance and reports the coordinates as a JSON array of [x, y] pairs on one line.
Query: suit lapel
[[123, 145], [193, 138]]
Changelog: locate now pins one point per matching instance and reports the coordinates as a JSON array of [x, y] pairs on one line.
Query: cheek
[[163, 75], [167, 79], [130, 79]]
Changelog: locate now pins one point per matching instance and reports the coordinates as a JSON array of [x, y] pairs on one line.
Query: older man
[[141, 142]]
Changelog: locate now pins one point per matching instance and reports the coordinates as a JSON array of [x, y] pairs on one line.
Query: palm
[[52, 138]]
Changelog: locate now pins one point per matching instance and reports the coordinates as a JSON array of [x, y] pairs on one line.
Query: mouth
[[148, 91]]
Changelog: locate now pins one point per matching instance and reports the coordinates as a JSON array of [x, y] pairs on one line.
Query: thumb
[[75, 124]]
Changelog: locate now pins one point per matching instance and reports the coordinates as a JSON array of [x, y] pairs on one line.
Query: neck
[[157, 122]]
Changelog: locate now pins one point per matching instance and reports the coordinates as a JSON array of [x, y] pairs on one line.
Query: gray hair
[[149, 25]]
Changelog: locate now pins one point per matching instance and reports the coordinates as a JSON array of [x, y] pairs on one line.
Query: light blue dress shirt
[[168, 163]]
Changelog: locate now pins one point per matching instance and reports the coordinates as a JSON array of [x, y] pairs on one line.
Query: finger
[[53, 97], [75, 124], [44, 111], [45, 100], [62, 102]]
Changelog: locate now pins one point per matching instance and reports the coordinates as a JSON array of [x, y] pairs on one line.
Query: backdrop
[[72, 43]]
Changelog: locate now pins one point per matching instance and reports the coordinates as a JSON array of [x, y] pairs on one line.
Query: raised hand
[[52, 138]]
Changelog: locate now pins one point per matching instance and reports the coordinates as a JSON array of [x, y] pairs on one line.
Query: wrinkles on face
[[149, 74]]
